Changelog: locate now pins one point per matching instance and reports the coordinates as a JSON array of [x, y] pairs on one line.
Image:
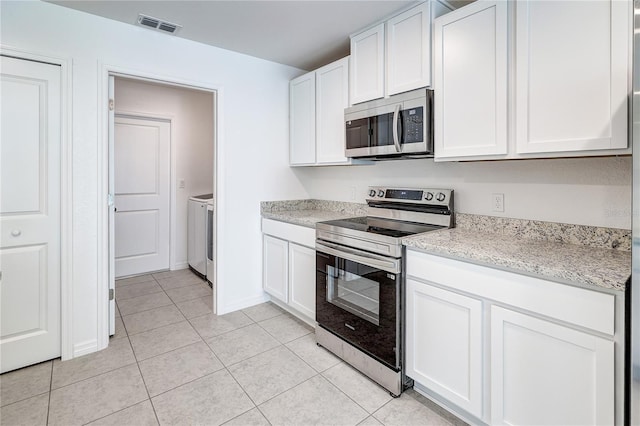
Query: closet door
[[29, 213]]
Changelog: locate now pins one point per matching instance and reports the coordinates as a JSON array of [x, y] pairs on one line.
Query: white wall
[[253, 135], [585, 191], [191, 115]]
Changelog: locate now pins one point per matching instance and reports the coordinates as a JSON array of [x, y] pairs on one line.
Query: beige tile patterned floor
[[173, 362]]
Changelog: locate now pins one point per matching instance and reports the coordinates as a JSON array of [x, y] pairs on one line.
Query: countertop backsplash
[[356, 209], [593, 236]]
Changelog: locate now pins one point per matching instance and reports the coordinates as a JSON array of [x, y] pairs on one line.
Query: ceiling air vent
[[157, 24]]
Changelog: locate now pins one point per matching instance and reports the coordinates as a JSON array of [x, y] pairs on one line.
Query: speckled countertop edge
[[309, 212], [576, 254], [591, 267]]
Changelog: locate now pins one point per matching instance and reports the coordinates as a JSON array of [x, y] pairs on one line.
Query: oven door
[[357, 299]]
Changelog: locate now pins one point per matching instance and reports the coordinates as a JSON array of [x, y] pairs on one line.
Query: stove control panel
[[427, 196]]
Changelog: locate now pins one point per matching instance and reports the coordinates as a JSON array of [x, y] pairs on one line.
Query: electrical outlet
[[497, 202], [181, 183]]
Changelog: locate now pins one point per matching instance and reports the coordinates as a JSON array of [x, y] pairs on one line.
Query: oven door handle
[[363, 257]]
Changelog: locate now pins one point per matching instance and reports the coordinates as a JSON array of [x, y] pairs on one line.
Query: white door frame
[[66, 191], [105, 70]]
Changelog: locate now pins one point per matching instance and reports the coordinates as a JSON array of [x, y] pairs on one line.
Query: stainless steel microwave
[[398, 126]]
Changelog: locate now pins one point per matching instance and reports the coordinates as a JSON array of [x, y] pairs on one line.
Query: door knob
[[16, 232]]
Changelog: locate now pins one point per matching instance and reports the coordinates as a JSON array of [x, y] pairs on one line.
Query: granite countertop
[[309, 212], [308, 217], [552, 251], [594, 257]]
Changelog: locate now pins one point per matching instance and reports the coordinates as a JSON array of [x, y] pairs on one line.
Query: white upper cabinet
[[302, 120], [317, 103], [572, 75], [394, 56], [332, 97], [470, 70], [409, 47], [367, 65], [532, 79]]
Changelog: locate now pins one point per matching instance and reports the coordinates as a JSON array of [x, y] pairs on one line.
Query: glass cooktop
[[387, 227]]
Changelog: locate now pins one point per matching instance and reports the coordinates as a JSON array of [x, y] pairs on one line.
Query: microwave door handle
[[396, 116]]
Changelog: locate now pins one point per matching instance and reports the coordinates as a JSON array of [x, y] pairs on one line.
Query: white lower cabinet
[[445, 354], [289, 267], [275, 267], [548, 374], [302, 279], [497, 347]]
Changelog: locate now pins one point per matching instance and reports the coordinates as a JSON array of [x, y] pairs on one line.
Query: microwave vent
[[157, 24]]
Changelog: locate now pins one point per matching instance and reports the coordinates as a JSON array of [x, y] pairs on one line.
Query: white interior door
[[29, 212], [141, 174]]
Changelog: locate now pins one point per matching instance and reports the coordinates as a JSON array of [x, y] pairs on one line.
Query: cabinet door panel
[[366, 79], [302, 120], [444, 344], [409, 50], [470, 56], [571, 75], [332, 97], [569, 374], [302, 279], [275, 265]]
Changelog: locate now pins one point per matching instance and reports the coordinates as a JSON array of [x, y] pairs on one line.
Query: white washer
[[197, 233]]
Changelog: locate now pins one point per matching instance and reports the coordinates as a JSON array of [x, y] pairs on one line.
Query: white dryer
[[197, 233]]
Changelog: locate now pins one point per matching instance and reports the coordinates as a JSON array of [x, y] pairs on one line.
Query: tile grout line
[[164, 325], [202, 337], [185, 383], [146, 310], [162, 306], [354, 401], [50, 391], [145, 387]]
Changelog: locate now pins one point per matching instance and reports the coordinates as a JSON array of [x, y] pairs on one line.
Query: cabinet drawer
[[294, 233], [584, 308]]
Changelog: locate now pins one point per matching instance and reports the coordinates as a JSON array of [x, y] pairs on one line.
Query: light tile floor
[[173, 362]]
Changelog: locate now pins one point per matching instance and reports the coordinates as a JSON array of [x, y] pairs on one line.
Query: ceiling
[[305, 34]]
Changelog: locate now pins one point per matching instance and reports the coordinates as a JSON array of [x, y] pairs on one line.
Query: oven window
[[354, 292]]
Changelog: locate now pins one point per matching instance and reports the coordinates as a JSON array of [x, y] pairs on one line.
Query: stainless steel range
[[360, 282]]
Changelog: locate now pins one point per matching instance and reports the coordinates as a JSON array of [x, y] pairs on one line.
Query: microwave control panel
[[413, 126]]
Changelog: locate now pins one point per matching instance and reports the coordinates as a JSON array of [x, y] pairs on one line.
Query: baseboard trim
[[181, 265], [85, 348], [244, 303]]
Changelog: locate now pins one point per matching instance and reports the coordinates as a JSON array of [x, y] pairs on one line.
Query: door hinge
[[112, 294], [112, 104]]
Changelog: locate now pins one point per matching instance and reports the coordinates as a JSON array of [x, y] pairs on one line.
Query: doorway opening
[[162, 145]]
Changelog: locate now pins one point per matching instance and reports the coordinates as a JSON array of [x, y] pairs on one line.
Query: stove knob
[[440, 197], [429, 196], [381, 193], [372, 193]]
